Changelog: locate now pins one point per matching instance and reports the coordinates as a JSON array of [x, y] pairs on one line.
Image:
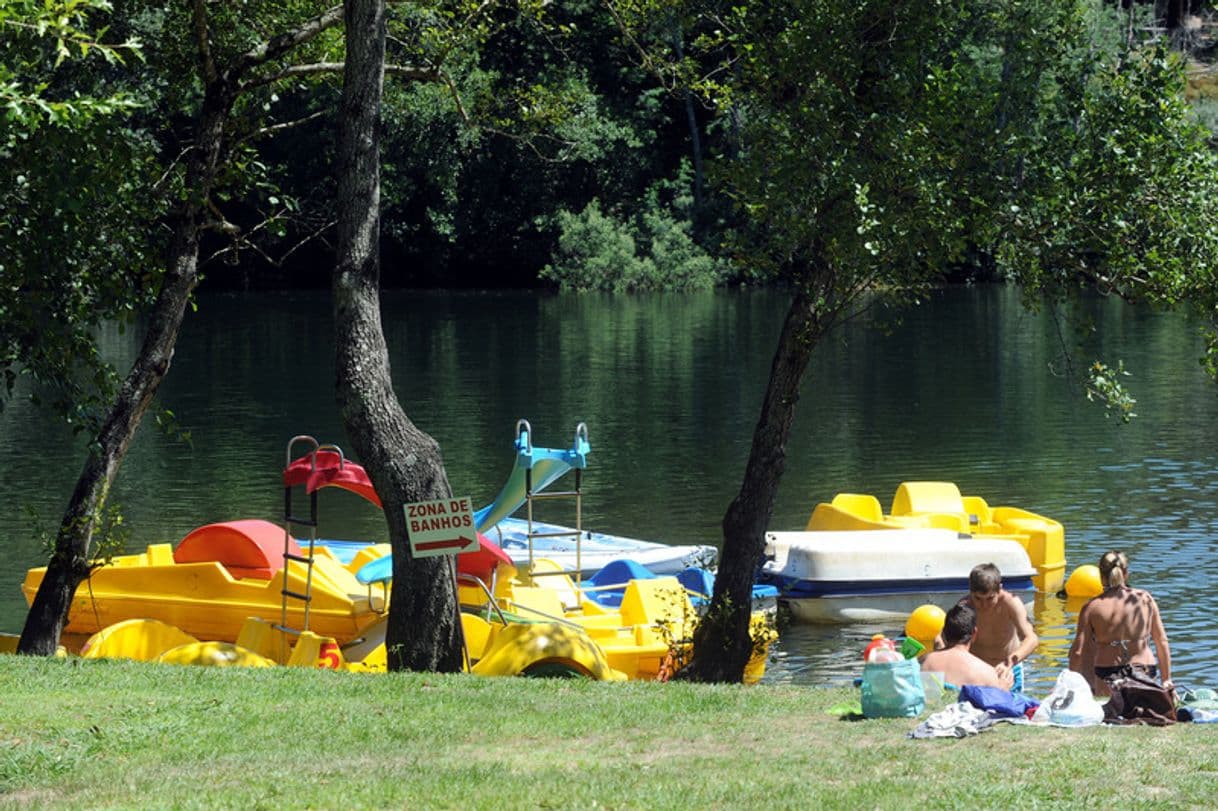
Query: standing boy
[[1004, 638]]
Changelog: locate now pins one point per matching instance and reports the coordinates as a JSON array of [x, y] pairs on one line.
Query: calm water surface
[[961, 388]]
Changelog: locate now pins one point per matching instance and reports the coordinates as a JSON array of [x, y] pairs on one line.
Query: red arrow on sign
[[460, 544]]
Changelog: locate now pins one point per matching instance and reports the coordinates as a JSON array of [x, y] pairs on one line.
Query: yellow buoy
[[1085, 582], [924, 624]]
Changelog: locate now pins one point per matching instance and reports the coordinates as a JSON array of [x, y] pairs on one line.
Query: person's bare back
[[960, 667], [955, 661], [1120, 622], [1115, 631]]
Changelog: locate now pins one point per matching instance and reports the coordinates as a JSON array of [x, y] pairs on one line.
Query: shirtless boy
[[1004, 636], [958, 666]]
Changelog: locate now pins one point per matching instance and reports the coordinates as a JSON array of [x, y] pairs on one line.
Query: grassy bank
[[118, 734]]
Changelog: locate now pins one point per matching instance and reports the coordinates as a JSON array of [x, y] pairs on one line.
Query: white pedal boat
[[878, 575]]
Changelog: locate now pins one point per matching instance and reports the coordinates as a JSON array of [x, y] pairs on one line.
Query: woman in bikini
[[1115, 630]]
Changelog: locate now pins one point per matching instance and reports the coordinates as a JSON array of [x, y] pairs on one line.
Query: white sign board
[[442, 527]]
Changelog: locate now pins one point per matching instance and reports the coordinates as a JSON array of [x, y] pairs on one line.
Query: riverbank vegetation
[[513, 141], [121, 734]]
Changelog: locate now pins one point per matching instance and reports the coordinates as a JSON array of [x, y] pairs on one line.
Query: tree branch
[[411, 72], [278, 45], [245, 241], [203, 42], [221, 222], [275, 129], [159, 184]]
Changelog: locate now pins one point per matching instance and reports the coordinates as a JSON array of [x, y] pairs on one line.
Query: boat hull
[[874, 575], [846, 609]]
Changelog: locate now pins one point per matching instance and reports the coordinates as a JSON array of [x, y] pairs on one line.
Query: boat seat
[[860, 505], [160, 554], [549, 574], [956, 522], [659, 599], [697, 581], [250, 548], [979, 514], [618, 573], [927, 497], [537, 601]]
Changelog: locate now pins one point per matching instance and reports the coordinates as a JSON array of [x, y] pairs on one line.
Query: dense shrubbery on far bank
[[608, 203]]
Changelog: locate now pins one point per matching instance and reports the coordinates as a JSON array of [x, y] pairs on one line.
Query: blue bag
[[998, 702], [893, 689]]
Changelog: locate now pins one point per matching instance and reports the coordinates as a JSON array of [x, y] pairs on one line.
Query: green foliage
[[654, 250], [73, 185], [885, 145], [548, 117], [38, 38], [1104, 386], [1206, 111], [595, 252]]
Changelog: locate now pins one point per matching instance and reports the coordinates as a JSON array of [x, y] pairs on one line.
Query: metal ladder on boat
[[290, 520], [576, 493]]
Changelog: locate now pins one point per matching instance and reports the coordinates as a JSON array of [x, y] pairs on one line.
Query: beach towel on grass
[[956, 721]]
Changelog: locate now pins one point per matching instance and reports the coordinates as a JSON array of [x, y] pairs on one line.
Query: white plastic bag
[[1070, 704]]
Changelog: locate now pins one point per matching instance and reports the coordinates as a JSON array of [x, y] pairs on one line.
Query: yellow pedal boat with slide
[[222, 597]]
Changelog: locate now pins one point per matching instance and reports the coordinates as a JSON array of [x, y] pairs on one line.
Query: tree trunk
[[69, 564], [691, 120], [403, 462], [722, 645]]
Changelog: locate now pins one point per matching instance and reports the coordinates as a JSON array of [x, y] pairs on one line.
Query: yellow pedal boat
[[939, 505], [217, 577]]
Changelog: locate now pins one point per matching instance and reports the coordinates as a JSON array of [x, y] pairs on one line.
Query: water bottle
[[881, 649], [885, 655]]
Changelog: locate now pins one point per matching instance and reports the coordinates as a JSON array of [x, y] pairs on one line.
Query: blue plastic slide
[[547, 466]]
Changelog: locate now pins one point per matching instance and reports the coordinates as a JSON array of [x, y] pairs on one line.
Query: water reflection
[[833, 655]]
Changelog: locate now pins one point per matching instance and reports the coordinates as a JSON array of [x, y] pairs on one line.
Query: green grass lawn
[[122, 734]]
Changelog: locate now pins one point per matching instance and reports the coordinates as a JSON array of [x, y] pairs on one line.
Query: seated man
[[955, 661]]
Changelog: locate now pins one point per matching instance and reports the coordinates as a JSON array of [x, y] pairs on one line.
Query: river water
[[965, 387]]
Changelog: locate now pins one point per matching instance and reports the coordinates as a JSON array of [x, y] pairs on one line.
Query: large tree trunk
[[403, 462], [722, 645], [69, 564]]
